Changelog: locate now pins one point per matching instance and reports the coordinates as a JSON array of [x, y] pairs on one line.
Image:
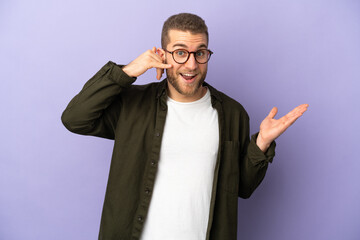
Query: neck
[[179, 97]]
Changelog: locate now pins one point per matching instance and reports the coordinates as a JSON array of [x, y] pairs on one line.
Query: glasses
[[181, 56]]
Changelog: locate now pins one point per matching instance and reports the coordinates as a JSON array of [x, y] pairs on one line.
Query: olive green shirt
[[111, 106]]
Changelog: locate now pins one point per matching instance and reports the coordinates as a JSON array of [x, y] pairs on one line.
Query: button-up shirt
[[111, 106]]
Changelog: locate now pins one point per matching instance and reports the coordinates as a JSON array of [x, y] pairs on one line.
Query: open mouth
[[188, 77]]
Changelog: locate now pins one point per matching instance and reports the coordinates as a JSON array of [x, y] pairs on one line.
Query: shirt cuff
[[256, 155], [117, 75]]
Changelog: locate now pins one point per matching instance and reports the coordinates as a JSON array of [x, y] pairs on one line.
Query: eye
[[181, 53], [201, 53]]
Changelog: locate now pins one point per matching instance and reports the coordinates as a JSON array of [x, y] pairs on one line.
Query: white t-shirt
[[180, 204]]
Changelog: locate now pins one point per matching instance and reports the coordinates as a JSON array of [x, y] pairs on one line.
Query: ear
[[161, 53]]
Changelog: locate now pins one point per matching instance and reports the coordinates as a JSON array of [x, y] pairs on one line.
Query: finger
[[159, 54], [272, 113], [159, 58], [288, 121], [303, 108], [293, 115], [155, 56], [160, 65], [158, 73], [155, 61], [298, 111]]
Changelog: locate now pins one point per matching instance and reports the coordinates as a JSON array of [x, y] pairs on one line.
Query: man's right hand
[[153, 58]]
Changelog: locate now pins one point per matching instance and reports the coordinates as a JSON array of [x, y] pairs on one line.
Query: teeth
[[188, 75]]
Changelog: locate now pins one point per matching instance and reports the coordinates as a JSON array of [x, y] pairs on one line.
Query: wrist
[[128, 71], [261, 143]]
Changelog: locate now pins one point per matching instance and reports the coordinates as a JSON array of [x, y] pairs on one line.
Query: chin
[[186, 89]]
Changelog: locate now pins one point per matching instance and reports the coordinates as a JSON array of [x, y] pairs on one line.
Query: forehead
[[187, 39]]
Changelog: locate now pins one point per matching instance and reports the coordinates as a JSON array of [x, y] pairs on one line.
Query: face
[[185, 80]]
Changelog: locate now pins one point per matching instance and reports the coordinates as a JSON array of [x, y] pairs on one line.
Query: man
[[182, 154]]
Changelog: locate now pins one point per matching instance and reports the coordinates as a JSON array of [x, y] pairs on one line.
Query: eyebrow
[[185, 46]]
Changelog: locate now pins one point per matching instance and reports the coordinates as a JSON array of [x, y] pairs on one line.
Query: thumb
[[272, 113]]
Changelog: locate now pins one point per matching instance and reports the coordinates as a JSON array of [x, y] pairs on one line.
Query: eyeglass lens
[[201, 56]]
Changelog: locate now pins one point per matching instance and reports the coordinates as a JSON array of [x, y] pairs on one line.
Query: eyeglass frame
[[189, 53]]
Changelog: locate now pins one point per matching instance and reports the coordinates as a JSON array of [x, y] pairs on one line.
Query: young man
[[182, 153]]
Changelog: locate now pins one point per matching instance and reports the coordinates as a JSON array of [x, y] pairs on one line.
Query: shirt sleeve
[[95, 109], [254, 164], [258, 157]]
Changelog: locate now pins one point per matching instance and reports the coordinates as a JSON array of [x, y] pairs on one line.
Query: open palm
[[271, 128]]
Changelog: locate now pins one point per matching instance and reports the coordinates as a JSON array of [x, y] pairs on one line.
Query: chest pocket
[[229, 167]]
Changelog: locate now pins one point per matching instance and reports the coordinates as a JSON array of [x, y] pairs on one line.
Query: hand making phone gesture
[[153, 58]]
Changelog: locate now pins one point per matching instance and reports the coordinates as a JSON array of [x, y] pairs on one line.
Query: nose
[[191, 62]]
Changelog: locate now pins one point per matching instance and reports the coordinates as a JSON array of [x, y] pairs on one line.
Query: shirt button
[[147, 191], [157, 134], [153, 163], [140, 219]]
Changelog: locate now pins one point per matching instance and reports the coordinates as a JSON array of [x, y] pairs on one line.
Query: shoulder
[[145, 89], [229, 105]]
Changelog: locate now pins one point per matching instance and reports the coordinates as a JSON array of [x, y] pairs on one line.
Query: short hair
[[183, 22]]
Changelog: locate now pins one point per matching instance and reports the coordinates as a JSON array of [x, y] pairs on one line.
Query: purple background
[[267, 53]]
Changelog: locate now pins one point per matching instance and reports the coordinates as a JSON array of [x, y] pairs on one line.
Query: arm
[[253, 163], [253, 166], [260, 150], [94, 111]]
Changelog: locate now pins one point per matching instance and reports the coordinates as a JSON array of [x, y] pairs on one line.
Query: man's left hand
[[271, 128]]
